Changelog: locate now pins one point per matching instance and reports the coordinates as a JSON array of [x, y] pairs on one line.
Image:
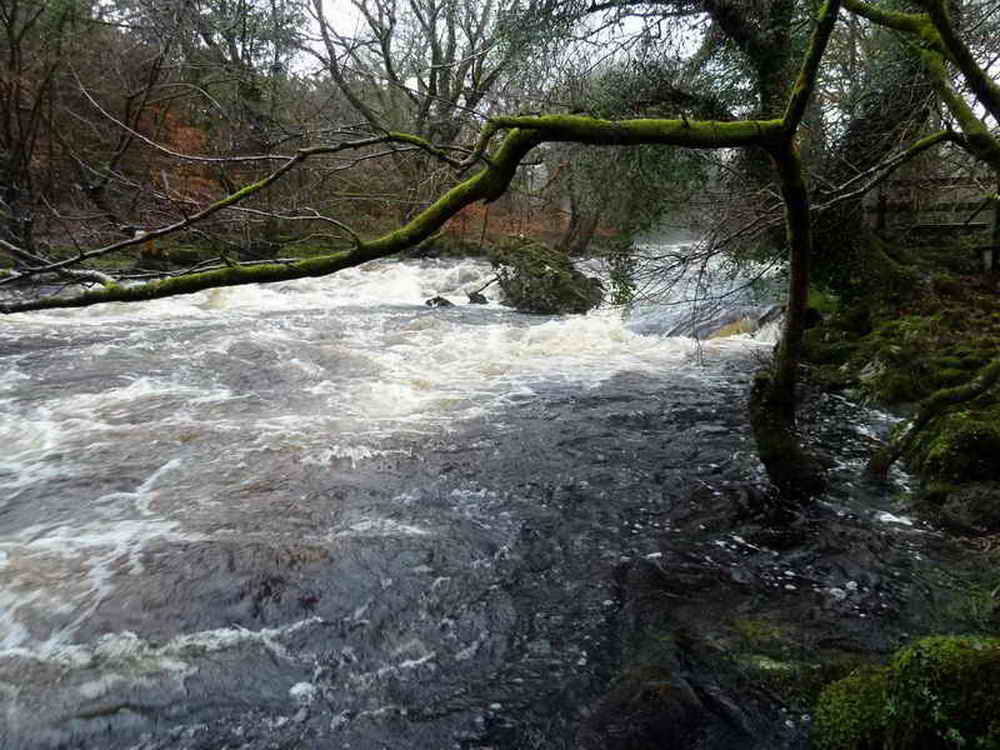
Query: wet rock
[[477, 298], [676, 689], [439, 301], [969, 509]]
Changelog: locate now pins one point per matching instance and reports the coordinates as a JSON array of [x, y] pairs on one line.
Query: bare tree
[[37, 38]]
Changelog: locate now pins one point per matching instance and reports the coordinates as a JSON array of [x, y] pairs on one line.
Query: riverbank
[[898, 347], [884, 587], [739, 621]]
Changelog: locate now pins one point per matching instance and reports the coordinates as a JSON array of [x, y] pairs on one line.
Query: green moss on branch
[[806, 81], [918, 24], [686, 133], [487, 185]]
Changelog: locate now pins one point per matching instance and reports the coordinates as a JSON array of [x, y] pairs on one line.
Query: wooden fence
[[934, 209]]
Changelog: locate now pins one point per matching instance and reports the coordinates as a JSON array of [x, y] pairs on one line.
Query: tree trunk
[[793, 471], [579, 230]]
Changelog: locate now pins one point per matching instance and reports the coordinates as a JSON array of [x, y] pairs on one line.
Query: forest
[[852, 147]]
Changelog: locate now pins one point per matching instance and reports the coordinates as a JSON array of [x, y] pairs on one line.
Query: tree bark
[[795, 473]]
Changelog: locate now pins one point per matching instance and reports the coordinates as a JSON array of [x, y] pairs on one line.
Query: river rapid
[[323, 514]]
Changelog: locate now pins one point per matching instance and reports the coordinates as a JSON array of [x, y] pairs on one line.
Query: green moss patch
[[912, 324], [851, 713], [907, 323], [960, 446], [941, 692]]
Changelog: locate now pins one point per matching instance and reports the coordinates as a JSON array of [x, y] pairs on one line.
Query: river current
[[323, 514]]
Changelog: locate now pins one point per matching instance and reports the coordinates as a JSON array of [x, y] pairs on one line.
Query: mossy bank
[[938, 693], [909, 324]]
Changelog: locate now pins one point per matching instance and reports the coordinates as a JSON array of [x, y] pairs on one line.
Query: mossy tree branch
[[936, 30], [487, 185], [772, 400], [982, 84], [979, 141], [805, 83], [697, 134], [238, 196], [917, 24]]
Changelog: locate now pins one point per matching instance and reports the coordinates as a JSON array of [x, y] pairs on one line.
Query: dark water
[[321, 515]]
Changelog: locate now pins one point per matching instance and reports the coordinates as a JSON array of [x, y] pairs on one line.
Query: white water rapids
[[133, 435]]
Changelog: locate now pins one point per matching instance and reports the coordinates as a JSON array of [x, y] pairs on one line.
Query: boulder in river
[[439, 301], [537, 279]]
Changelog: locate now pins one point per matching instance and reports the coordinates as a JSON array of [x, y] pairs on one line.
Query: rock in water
[[477, 298], [538, 279], [439, 301]]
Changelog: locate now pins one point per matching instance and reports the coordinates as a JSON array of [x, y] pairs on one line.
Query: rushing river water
[[322, 514]]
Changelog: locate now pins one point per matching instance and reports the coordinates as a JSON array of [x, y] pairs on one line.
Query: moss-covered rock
[[538, 279], [960, 446], [940, 693], [945, 693], [850, 713]]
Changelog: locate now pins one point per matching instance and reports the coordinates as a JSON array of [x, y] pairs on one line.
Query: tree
[[34, 48], [430, 68]]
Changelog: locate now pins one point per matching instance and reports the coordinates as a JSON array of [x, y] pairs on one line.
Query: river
[[323, 514]]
